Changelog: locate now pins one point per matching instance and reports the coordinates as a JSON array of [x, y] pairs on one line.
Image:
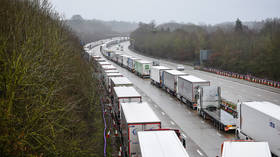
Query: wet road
[[202, 138], [232, 89]]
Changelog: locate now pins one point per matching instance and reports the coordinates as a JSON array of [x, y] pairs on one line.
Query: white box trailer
[[111, 71], [116, 56], [187, 89], [160, 144], [125, 61], [122, 95], [100, 60], [119, 81], [107, 79], [136, 117], [131, 63], [120, 60], [142, 67], [156, 74], [104, 63], [170, 79], [245, 149], [260, 121], [96, 57], [108, 67]]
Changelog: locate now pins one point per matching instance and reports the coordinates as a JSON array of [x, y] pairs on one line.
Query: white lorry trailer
[[136, 117], [125, 61], [187, 89], [142, 68], [100, 60], [107, 78], [131, 63], [119, 81], [104, 63], [122, 95], [209, 107], [120, 60], [245, 149], [116, 57], [160, 144], [111, 71], [260, 121], [170, 80], [156, 74], [108, 67]]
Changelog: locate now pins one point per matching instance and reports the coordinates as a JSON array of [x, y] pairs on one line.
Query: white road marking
[[202, 122], [162, 113], [219, 134], [199, 152], [172, 122]]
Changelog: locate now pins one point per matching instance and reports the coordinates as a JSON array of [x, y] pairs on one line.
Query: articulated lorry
[[156, 74], [187, 89], [170, 80], [259, 121], [136, 117], [209, 106], [142, 68]]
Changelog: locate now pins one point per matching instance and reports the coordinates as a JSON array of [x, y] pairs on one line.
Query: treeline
[[49, 103], [92, 30], [236, 48]]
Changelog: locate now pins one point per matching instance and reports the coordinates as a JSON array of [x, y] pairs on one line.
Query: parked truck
[[156, 74], [116, 57], [163, 143], [119, 81], [107, 67], [209, 106], [122, 95], [259, 121], [170, 80], [131, 63], [142, 68], [100, 60], [245, 149], [187, 89], [125, 61], [107, 78], [136, 117]]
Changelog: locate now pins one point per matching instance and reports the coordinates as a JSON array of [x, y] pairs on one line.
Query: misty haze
[[140, 78]]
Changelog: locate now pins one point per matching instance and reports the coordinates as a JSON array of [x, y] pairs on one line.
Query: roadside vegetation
[[235, 47], [49, 103]]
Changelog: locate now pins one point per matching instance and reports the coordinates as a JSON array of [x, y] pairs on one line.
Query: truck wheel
[[204, 116], [237, 134]]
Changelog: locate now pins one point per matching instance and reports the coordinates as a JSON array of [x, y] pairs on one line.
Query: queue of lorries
[[256, 123]]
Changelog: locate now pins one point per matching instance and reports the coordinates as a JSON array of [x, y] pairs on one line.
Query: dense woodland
[[49, 103], [248, 49]]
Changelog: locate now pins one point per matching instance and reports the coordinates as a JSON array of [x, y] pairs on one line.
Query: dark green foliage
[[235, 48], [49, 103]]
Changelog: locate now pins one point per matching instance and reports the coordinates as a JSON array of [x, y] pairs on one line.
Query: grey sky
[[194, 11]]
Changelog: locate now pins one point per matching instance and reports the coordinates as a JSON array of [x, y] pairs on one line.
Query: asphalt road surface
[[202, 138]]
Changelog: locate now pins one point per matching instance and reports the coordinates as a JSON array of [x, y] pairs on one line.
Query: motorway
[[202, 138]]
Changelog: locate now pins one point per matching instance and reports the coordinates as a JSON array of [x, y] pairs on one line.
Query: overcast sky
[[194, 11]]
